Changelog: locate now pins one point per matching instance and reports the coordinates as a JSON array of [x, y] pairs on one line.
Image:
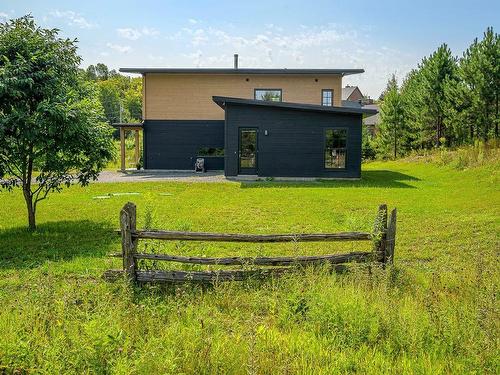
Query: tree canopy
[[52, 131], [120, 96]]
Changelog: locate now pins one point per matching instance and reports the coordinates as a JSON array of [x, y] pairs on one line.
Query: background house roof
[[374, 119], [223, 100], [351, 104], [348, 90], [343, 72]]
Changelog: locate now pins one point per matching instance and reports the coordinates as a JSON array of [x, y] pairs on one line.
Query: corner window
[[327, 97], [271, 95], [335, 148]]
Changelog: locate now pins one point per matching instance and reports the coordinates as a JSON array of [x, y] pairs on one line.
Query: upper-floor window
[[335, 148], [327, 97], [272, 95]]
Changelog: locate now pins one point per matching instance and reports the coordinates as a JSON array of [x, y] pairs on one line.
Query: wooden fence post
[[122, 149], [390, 241], [380, 232], [129, 244]]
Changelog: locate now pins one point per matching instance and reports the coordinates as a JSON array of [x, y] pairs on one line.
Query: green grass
[[436, 311]]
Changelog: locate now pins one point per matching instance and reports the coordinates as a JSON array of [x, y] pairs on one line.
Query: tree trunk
[[496, 117], [395, 143], [28, 197]]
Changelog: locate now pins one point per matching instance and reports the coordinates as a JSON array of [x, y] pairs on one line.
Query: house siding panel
[[294, 146], [189, 97], [175, 144]]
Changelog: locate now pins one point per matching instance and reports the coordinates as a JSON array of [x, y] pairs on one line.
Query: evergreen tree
[[436, 70], [392, 137], [480, 73], [391, 84], [416, 118]]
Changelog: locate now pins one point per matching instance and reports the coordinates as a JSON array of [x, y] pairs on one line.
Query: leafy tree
[[91, 73], [102, 71], [113, 73], [109, 95], [51, 133], [133, 100], [120, 96]]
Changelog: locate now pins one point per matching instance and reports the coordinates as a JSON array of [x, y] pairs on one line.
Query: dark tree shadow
[[369, 179], [55, 241]]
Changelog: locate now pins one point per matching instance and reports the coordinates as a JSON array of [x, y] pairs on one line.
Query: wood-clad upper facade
[[186, 94], [189, 97]]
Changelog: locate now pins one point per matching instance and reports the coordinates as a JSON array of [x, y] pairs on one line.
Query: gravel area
[[165, 176]]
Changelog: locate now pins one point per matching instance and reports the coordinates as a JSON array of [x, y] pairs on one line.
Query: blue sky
[[380, 36]]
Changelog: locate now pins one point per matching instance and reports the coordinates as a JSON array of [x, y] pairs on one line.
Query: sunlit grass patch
[[435, 311]]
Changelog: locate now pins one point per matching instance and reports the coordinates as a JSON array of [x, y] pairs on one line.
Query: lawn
[[436, 311]]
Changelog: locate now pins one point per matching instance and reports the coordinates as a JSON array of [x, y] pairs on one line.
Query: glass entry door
[[248, 151]]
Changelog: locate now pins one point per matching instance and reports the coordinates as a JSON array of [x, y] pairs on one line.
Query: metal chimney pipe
[[235, 61]]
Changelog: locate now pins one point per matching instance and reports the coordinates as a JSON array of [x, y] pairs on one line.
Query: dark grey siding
[[174, 144], [294, 146]]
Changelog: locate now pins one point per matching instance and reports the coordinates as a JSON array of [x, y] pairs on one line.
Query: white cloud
[[73, 19], [192, 21], [119, 48], [4, 16], [324, 46], [156, 58], [150, 31], [134, 34], [269, 46], [195, 57], [128, 33]]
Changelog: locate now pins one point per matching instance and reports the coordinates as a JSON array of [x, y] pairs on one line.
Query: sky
[[382, 37]]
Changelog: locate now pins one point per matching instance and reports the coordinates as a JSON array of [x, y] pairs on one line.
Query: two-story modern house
[[262, 122]]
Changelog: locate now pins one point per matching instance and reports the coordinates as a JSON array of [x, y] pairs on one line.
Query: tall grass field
[[436, 311]]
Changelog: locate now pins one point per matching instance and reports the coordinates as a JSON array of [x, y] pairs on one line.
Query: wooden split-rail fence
[[382, 238]]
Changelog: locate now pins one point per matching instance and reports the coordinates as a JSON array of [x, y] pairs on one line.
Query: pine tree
[[391, 84], [392, 138], [480, 73], [436, 70]]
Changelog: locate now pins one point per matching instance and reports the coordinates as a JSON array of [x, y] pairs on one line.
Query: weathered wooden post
[[390, 241], [129, 243], [122, 149], [137, 147], [380, 233]]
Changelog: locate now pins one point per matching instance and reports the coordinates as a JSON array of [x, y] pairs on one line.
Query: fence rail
[[227, 237], [382, 237]]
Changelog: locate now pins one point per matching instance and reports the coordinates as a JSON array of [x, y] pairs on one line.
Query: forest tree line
[[120, 96], [446, 101]]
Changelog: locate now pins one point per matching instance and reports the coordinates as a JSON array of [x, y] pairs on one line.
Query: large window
[[272, 95], [335, 148], [327, 97]]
